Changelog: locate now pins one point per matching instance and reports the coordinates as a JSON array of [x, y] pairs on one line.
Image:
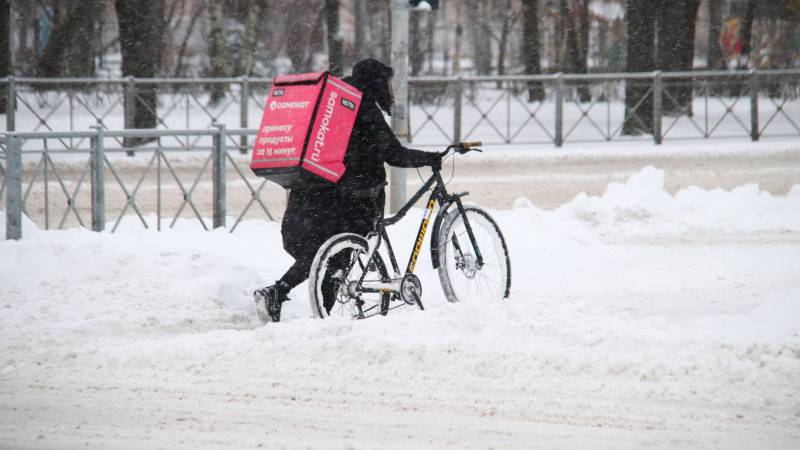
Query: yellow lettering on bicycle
[[421, 236]]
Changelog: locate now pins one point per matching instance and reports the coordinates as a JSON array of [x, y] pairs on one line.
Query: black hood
[[372, 77]]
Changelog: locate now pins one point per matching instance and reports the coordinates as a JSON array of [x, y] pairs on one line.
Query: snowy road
[[637, 319]]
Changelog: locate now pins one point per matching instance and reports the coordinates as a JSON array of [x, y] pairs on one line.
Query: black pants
[[299, 271], [305, 230]]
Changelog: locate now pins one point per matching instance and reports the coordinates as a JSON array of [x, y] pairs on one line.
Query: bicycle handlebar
[[463, 147]]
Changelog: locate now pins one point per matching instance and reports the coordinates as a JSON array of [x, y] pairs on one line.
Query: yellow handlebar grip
[[469, 145]]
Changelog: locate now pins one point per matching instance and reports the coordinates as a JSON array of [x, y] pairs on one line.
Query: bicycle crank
[[411, 289]]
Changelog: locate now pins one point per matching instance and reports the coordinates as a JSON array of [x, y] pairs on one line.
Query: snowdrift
[[635, 296]]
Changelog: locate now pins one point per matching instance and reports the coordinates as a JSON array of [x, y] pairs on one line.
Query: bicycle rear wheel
[[338, 264], [463, 279]]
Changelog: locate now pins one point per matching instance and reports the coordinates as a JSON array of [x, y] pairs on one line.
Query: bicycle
[[350, 278]]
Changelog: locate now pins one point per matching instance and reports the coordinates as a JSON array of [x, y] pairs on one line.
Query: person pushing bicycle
[[354, 204]]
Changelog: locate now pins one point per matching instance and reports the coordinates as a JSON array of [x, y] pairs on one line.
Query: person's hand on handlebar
[[436, 164]]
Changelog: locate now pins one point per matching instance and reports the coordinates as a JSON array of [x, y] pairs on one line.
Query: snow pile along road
[[636, 319]]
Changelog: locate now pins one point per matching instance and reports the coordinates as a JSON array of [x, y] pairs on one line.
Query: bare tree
[[458, 41], [218, 59], [141, 41], [582, 66], [303, 34], [253, 22], [335, 39], [746, 32], [570, 36], [639, 20], [530, 48], [506, 14], [416, 53], [362, 38], [199, 9], [431, 38], [5, 50], [716, 60], [71, 48], [675, 25], [481, 43]]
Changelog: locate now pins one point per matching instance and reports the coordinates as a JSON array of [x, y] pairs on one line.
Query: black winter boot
[[268, 301]]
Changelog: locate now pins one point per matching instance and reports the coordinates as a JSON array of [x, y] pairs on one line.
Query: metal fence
[[59, 174], [97, 186], [744, 104]]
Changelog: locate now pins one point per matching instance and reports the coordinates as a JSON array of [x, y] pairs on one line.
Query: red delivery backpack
[[305, 129]]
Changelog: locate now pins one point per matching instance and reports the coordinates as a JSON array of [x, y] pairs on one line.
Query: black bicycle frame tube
[[439, 193], [469, 232], [392, 259], [400, 214]]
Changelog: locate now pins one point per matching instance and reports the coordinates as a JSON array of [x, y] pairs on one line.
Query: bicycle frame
[[439, 194]]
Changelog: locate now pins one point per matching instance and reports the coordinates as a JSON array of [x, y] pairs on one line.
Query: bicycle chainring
[[410, 289]]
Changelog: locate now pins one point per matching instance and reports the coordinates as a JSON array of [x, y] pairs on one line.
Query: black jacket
[[354, 203]]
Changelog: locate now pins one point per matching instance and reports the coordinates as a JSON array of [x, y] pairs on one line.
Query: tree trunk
[[70, 50], [335, 41], [675, 25], [458, 41], [603, 47], [361, 25], [199, 9], [416, 55], [5, 51], [508, 19], [386, 29], [505, 29], [429, 56], [481, 40], [639, 20], [253, 22], [715, 60], [217, 51], [141, 39], [573, 55], [584, 91], [530, 48], [746, 33]]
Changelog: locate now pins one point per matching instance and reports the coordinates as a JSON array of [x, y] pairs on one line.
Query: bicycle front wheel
[[338, 265], [463, 277]]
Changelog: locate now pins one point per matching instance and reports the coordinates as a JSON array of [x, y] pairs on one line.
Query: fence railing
[[498, 110], [195, 162], [97, 186]]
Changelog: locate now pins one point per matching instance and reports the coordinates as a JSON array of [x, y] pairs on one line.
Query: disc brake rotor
[[468, 264]]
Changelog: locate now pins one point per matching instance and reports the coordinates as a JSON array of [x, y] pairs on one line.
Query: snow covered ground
[[638, 318]]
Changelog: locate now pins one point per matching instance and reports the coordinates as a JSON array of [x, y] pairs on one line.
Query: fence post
[[97, 181], [13, 187], [243, 112], [11, 104], [754, 133], [457, 99], [559, 135], [218, 176], [657, 111], [130, 109]]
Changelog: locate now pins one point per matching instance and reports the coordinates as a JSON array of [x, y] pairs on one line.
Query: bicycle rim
[[343, 260], [463, 279]]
